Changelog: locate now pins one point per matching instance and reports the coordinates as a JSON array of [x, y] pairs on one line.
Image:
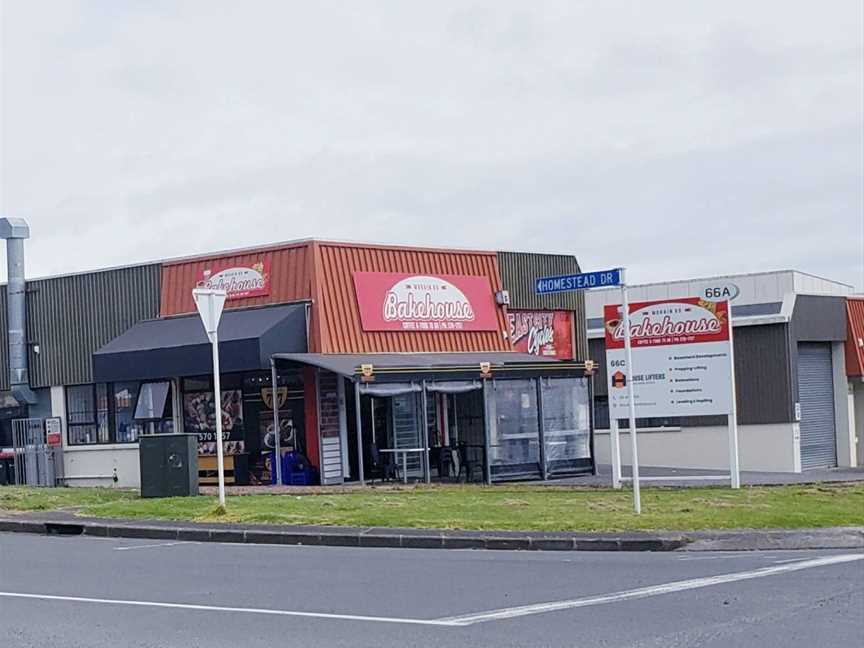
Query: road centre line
[[152, 546], [480, 617], [219, 608], [653, 590]]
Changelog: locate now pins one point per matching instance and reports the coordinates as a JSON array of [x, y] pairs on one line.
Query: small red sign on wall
[[396, 301], [238, 281], [542, 333]]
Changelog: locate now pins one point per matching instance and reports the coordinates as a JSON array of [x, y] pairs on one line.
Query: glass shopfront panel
[[566, 422], [515, 431], [247, 403]]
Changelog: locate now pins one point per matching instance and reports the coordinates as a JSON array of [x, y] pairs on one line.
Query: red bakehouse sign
[[396, 301], [681, 354], [238, 280]]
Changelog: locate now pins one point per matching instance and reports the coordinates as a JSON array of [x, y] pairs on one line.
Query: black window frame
[[110, 396]]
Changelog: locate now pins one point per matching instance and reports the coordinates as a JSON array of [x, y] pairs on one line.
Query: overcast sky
[[679, 139]]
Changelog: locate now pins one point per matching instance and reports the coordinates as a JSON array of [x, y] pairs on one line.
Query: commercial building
[[390, 361], [796, 401]]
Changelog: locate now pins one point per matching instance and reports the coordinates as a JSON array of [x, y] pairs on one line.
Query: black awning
[[349, 365], [178, 346]]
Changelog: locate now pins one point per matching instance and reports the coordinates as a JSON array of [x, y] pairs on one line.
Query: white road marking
[[653, 590], [151, 546], [479, 617], [219, 608]]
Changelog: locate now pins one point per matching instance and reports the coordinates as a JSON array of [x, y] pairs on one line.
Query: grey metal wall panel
[[762, 375], [69, 317], [819, 319], [816, 394], [597, 353], [519, 272]]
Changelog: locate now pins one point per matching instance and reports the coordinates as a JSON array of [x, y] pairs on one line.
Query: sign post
[[606, 279], [732, 419], [628, 359], [210, 303]]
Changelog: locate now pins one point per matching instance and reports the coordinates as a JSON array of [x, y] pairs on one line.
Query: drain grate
[[59, 528]]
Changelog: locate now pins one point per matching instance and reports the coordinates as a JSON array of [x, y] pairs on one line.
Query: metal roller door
[[816, 394]]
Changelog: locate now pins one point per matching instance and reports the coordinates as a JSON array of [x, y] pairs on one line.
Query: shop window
[[154, 408], [81, 414], [199, 413], [101, 413], [566, 419], [515, 442], [126, 428]]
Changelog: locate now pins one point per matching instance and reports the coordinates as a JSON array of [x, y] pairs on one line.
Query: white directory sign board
[[682, 355]]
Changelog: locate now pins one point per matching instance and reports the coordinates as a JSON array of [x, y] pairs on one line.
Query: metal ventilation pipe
[[15, 230]]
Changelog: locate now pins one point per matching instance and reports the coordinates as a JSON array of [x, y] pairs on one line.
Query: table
[[405, 452]]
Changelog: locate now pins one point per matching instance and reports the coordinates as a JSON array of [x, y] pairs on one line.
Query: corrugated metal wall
[[70, 317], [855, 337], [816, 395], [519, 272], [290, 278], [336, 318], [762, 375]]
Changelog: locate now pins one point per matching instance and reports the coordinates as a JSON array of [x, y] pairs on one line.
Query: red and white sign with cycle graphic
[[682, 355]]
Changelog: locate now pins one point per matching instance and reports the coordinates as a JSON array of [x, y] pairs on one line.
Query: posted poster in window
[[200, 419], [681, 358]]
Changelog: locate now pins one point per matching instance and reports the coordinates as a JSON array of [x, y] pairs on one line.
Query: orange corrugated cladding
[[290, 278], [336, 324], [854, 350], [321, 271]]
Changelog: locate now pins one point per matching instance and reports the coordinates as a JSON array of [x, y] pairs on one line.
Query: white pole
[[277, 425], [217, 402], [615, 451], [628, 352], [734, 469]]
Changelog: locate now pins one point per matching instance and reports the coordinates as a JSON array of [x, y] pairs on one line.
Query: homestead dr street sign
[[583, 281]]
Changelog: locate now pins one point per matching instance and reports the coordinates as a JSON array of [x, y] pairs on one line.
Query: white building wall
[[858, 417], [843, 430], [770, 448], [95, 465]]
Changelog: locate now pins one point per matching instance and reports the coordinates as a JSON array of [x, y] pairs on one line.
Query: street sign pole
[[628, 354], [217, 403], [732, 419], [210, 303]]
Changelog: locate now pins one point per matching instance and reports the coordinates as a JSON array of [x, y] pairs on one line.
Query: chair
[[385, 470], [465, 463]]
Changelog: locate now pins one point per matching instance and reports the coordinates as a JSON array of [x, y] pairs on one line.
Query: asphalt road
[[89, 592]]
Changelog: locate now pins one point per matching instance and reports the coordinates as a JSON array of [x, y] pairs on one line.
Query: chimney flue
[[15, 231]]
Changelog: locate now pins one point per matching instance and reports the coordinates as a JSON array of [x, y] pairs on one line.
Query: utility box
[[169, 465]]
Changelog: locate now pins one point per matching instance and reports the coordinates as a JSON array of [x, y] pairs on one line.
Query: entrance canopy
[[178, 346], [420, 364]]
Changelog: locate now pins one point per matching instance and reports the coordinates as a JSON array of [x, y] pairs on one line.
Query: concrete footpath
[[64, 523]]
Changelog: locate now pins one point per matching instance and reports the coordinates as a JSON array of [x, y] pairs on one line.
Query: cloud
[[675, 141]]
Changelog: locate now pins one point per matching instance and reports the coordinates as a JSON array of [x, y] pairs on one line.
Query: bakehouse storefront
[[381, 363]]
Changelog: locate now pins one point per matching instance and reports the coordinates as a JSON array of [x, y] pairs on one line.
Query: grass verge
[[534, 508]]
